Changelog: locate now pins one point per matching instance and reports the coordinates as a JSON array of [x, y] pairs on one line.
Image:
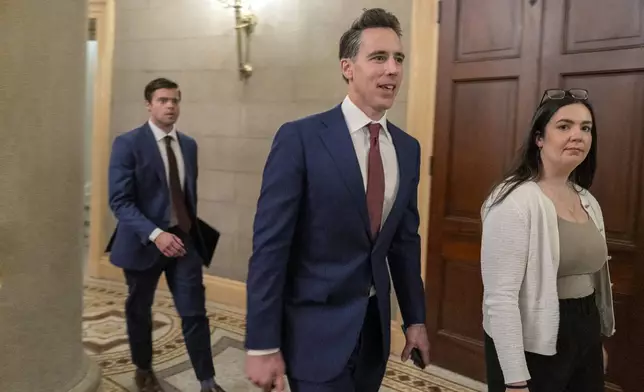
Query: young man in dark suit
[[153, 194], [337, 211]]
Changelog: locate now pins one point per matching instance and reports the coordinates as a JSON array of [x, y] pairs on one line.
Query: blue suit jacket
[[313, 257], [140, 198]]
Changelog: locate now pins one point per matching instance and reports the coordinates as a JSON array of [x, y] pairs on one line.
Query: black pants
[[185, 279], [577, 366], [366, 366]]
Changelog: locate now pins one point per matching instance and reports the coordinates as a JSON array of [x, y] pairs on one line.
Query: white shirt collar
[[159, 133], [356, 119]]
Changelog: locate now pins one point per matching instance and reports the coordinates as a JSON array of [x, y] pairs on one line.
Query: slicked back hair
[[158, 84], [370, 18]]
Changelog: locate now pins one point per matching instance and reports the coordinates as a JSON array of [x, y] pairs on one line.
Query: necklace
[[563, 202]]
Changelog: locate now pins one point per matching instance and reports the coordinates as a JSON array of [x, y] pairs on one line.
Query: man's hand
[[416, 336], [266, 371], [170, 245]]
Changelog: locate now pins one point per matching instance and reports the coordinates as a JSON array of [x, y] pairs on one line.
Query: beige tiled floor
[[105, 339]]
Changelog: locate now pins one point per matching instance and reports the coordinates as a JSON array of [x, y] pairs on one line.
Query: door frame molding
[[421, 102], [103, 12], [421, 107]]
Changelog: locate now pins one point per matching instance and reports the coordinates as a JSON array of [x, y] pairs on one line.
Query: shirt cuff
[[263, 352], [155, 233]]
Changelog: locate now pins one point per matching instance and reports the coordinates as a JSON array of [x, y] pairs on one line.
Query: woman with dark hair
[[547, 291]]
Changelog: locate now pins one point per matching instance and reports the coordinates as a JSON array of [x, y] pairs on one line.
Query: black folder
[[209, 239], [206, 239]]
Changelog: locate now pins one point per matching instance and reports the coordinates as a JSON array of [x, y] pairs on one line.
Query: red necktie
[[375, 180], [177, 196]]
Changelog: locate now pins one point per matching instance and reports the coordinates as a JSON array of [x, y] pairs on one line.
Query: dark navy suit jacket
[[139, 196], [313, 257]]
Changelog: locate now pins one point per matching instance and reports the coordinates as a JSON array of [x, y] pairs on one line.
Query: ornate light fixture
[[245, 22]]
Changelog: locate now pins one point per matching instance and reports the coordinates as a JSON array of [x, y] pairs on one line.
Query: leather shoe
[[214, 388], [146, 381]]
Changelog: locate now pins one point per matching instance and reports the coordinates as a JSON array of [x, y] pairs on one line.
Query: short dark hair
[[158, 84], [370, 18], [527, 166]]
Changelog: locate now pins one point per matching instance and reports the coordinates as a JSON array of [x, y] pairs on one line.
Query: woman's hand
[[605, 355]]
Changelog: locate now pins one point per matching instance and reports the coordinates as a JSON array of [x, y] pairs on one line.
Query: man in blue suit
[[337, 211], [153, 194]]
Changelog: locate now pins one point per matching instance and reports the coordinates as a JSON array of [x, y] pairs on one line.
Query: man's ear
[[346, 66]]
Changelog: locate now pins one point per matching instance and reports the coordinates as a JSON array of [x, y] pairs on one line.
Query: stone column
[[42, 49]]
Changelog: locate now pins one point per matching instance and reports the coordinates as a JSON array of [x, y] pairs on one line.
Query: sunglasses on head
[[555, 93]]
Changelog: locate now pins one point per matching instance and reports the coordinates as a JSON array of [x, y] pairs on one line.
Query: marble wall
[[296, 73]]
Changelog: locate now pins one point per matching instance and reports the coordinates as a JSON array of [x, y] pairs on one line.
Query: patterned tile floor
[[105, 339]]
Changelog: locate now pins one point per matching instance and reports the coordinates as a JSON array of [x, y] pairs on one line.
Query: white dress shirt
[[357, 122], [160, 135]]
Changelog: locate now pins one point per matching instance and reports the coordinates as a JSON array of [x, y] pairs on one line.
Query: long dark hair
[[527, 166]]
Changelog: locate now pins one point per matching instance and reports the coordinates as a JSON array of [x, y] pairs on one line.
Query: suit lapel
[[187, 164], [337, 139], [405, 171], [152, 151]]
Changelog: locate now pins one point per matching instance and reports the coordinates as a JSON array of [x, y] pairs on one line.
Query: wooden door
[[495, 59], [597, 45], [486, 92]]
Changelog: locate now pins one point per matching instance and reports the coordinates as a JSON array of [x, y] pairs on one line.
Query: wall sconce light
[[245, 22]]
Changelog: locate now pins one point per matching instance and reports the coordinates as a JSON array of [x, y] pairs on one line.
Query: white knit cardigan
[[519, 263]]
